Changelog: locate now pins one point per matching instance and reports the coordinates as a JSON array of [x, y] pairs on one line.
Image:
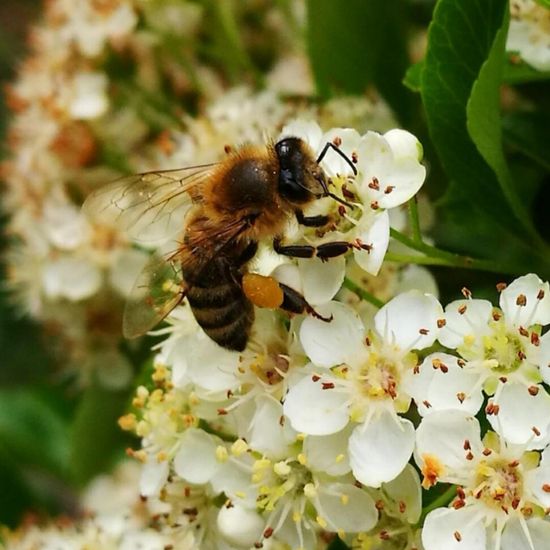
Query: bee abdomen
[[223, 312]]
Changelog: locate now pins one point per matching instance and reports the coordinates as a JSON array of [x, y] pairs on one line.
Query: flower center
[[499, 484], [279, 479], [504, 348], [378, 378]]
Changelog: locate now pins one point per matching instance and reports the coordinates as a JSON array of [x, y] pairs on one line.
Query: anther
[[466, 292], [441, 323], [521, 300], [457, 536], [535, 339], [540, 294], [501, 286], [424, 331], [462, 309], [533, 390], [536, 431]]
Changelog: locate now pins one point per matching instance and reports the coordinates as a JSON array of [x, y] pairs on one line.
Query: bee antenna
[[330, 145], [338, 199]]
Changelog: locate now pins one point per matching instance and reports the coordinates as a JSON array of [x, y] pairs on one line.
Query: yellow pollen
[[127, 422], [240, 494], [339, 458], [344, 499], [432, 470], [282, 468], [297, 517], [302, 459], [310, 491], [239, 447], [322, 522], [469, 340], [221, 453], [301, 437], [162, 456]]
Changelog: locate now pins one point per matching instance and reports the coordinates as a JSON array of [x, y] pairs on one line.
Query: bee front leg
[[312, 221]]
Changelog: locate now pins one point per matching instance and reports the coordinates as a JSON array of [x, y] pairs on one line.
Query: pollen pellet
[[262, 291]]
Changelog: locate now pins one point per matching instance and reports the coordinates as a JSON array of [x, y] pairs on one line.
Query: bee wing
[[158, 289], [150, 207]]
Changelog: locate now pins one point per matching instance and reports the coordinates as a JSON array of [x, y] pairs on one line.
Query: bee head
[[301, 178]]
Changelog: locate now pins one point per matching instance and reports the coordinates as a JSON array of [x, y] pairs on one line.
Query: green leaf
[[96, 438], [413, 77], [529, 132], [357, 44], [337, 544], [545, 3], [484, 124], [32, 432], [461, 61]]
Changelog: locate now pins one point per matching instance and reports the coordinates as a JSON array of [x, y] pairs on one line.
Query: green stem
[[362, 293], [442, 500], [414, 220], [436, 256]]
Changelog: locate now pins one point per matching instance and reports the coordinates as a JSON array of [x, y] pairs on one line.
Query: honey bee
[[222, 210]]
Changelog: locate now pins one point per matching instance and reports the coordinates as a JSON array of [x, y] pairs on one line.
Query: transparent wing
[[158, 289], [150, 207]]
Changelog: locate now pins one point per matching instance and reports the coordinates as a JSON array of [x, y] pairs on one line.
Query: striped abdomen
[[220, 305]]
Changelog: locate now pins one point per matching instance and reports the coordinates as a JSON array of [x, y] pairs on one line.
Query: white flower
[[503, 353], [529, 33], [72, 278], [500, 486], [388, 174], [358, 377], [89, 96]]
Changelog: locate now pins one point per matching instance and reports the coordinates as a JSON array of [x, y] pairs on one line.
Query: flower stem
[[436, 256], [362, 293], [442, 500], [414, 220]]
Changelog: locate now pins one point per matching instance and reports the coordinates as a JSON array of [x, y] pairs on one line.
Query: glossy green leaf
[[460, 80], [484, 122], [359, 43]]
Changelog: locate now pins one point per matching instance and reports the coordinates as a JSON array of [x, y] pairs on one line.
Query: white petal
[[379, 452], [153, 477], [321, 280], [90, 98], [196, 460], [240, 526], [332, 343], [513, 537], [333, 163], [406, 488], [328, 453], [375, 232], [308, 130], [266, 434], [543, 357], [210, 366], [519, 413], [442, 435], [346, 508], [71, 278], [448, 386], [289, 275], [406, 178], [404, 144], [442, 524], [417, 277], [531, 291], [473, 321], [409, 320], [536, 480], [314, 410]]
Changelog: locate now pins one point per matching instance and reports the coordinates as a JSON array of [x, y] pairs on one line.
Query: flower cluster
[[529, 33], [79, 122], [308, 433]]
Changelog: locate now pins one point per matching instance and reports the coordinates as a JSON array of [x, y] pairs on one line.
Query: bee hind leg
[[294, 302]]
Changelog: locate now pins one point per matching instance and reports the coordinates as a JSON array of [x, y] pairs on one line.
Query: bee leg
[[295, 250], [311, 221], [294, 302], [324, 251]]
